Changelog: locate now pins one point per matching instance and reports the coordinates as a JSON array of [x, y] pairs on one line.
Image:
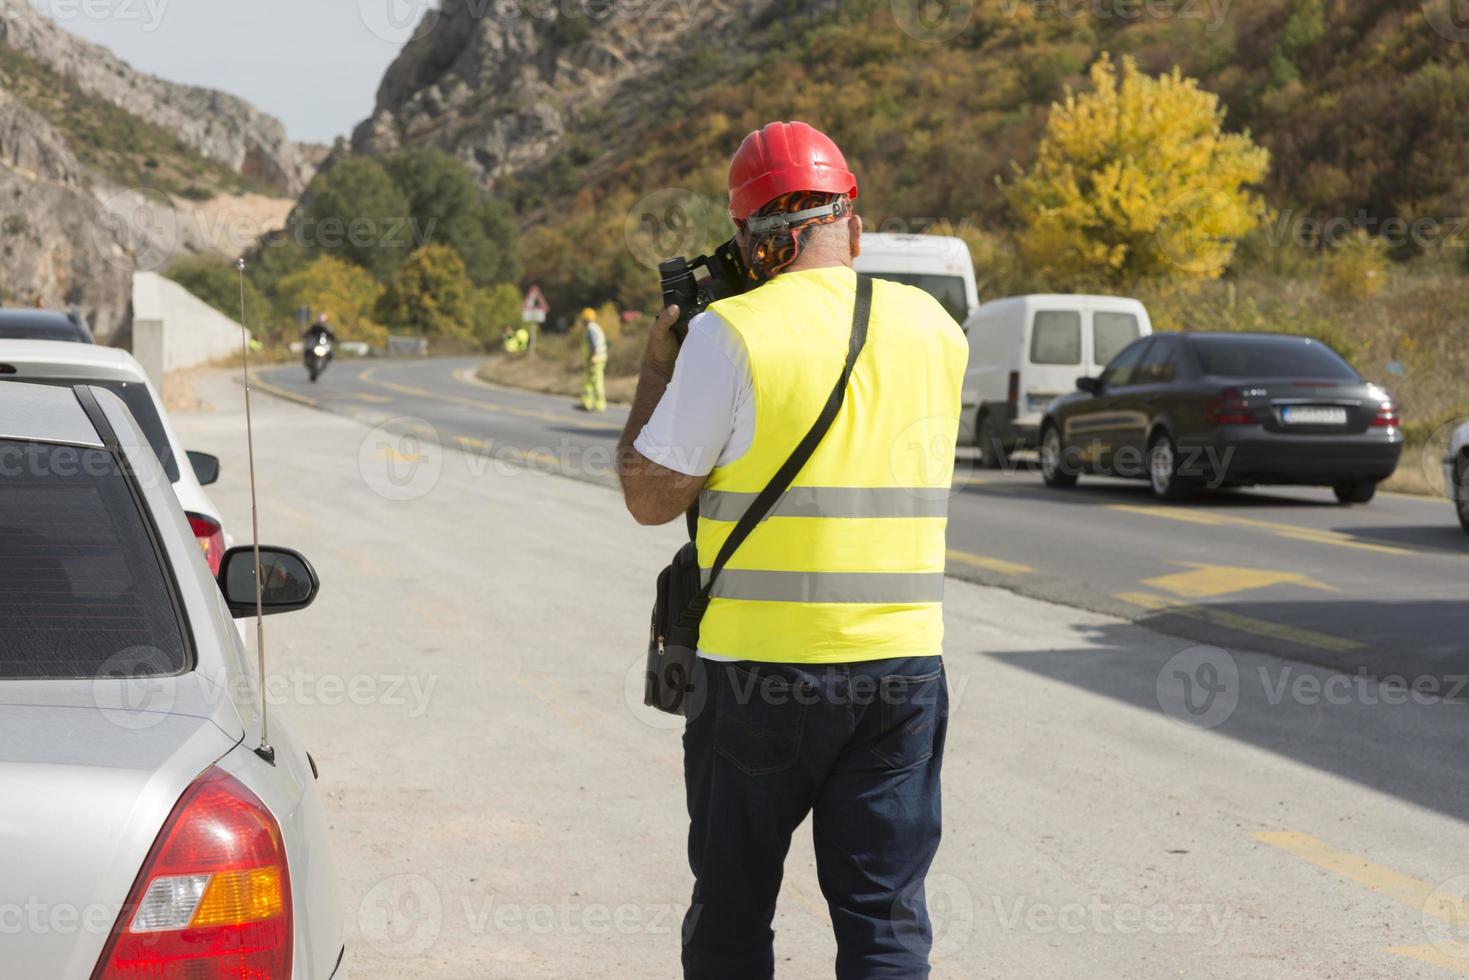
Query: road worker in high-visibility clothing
[[821, 687], [594, 388]]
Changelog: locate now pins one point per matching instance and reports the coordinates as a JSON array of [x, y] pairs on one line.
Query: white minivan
[[939, 265], [1025, 351]]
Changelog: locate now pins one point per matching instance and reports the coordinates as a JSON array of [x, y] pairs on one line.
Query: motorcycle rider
[[322, 326]]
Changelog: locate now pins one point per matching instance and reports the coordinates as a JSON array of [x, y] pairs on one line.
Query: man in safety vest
[[594, 388], [822, 690]]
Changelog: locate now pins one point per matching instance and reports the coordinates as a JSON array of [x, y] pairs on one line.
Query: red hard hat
[[781, 158]]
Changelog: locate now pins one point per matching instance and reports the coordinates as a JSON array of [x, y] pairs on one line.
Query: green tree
[[346, 293], [495, 309], [448, 207], [356, 212], [1137, 178], [432, 296], [217, 282]]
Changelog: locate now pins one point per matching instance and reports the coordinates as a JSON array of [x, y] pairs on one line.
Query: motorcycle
[[318, 355]]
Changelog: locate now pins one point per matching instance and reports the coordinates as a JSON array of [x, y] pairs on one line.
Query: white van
[[1025, 351], [938, 265]]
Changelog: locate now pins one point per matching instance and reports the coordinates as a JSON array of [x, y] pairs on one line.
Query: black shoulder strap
[[787, 474]]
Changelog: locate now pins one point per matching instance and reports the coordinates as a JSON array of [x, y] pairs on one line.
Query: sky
[[314, 64]]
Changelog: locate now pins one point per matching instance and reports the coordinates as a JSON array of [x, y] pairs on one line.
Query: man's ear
[[854, 232]]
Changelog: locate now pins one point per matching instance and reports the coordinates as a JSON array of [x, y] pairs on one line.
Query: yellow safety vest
[[849, 566]]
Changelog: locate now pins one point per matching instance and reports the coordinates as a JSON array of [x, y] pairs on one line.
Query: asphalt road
[[1381, 589], [502, 806]]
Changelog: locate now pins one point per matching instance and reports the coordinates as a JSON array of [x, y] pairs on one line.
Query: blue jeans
[[858, 746]]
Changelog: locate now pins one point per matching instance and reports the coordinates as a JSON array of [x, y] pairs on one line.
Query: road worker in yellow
[[819, 688], [516, 341], [594, 388]]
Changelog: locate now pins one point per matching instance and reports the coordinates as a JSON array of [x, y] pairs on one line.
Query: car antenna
[[264, 750]]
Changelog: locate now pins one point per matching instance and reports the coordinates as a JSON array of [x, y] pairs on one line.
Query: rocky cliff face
[[72, 230], [221, 127], [500, 85]]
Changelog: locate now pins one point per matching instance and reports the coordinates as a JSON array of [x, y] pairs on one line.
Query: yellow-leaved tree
[[343, 291], [1134, 179]]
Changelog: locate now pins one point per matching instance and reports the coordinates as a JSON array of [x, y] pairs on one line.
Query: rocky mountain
[[501, 85], [104, 169]]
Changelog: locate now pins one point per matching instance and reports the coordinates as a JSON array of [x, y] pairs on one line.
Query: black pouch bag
[[682, 598]]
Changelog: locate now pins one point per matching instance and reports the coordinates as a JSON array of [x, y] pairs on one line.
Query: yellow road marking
[[389, 453], [370, 376], [257, 382], [1420, 895], [1291, 531], [373, 399], [1244, 624], [469, 442], [989, 564], [1453, 957], [1216, 580]]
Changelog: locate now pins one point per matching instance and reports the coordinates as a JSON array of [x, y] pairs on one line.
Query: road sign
[[535, 301]]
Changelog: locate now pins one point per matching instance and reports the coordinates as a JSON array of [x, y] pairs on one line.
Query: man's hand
[[662, 350]]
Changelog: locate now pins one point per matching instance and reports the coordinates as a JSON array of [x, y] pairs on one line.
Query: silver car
[[145, 830]]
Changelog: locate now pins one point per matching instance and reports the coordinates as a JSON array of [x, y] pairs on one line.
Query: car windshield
[[1271, 357], [82, 591], [139, 401], [948, 290]]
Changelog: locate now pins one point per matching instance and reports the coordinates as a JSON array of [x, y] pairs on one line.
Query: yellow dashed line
[[1243, 624], [1418, 895], [370, 376], [989, 564], [1291, 531], [290, 396]]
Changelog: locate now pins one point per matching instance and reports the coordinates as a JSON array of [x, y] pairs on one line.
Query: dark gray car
[[1186, 411]]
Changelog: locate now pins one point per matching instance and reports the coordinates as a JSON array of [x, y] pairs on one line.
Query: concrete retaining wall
[[174, 329]]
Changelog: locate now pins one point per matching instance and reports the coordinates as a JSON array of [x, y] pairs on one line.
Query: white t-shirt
[[707, 415]]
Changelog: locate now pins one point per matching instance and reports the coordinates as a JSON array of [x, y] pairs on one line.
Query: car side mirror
[[206, 467], [1092, 386], [287, 583]]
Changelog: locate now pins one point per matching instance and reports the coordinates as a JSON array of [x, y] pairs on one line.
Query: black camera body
[[727, 275]]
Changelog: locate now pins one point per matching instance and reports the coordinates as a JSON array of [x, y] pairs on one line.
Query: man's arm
[[654, 494]]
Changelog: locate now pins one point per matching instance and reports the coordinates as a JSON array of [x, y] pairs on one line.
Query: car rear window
[[1271, 357], [82, 589], [1056, 337], [39, 328], [948, 290], [1110, 333], [139, 401]]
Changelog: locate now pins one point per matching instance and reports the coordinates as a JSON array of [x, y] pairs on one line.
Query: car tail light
[[1014, 393], [213, 901], [211, 539], [1387, 416], [1230, 408]]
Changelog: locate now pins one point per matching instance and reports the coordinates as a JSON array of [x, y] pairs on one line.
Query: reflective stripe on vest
[[849, 564]]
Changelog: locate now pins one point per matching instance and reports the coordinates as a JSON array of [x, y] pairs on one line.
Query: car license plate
[[1313, 415]]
